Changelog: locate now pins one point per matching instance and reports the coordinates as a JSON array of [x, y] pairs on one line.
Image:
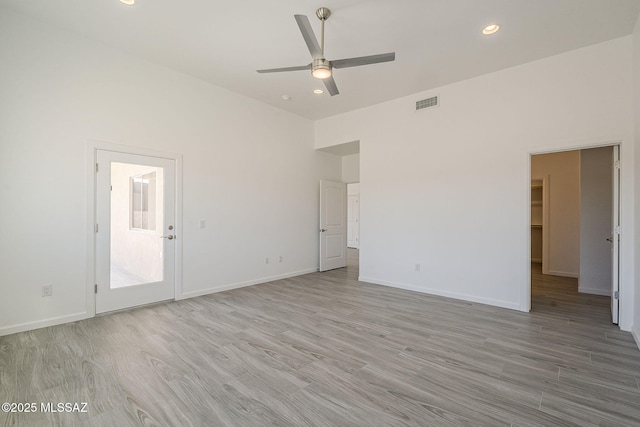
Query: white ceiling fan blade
[[277, 70], [309, 37], [364, 60], [330, 84]]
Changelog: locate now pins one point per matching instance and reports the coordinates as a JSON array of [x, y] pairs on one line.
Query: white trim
[[635, 332], [91, 158], [90, 268], [525, 287], [128, 149], [245, 284], [562, 146], [179, 226], [439, 292], [38, 324]]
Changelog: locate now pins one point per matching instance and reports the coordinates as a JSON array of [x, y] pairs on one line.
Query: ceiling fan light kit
[[321, 68]]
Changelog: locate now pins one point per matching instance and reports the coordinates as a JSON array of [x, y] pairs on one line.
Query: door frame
[[358, 215], [615, 235], [91, 159], [526, 288]]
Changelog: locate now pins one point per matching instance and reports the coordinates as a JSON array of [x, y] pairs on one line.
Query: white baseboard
[[30, 326], [594, 291], [443, 293], [562, 273], [244, 284]]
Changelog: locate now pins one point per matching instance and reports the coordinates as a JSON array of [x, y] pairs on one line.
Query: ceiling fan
[[322, 68]]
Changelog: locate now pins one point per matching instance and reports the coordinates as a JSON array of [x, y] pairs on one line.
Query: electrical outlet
[[203, 223], [47, 290], [266, 260], [280, 259], [417, 267]]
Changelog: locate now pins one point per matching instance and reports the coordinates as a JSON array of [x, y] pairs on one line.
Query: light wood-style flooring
[[326, 350]]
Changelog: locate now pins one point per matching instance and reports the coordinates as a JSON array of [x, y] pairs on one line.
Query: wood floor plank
[[325, 349], [8, 378], [263, 365], [307, 343], [586, 412], [433, 401], [447, 352], [348, 388], [584, 383]]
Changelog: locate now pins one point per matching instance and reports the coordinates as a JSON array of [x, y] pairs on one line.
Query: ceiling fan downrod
[[323, 14]]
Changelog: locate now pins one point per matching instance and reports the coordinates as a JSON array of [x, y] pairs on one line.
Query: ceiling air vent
[[427, 103]]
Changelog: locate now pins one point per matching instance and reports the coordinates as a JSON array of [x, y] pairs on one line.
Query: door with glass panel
[[135, 230]]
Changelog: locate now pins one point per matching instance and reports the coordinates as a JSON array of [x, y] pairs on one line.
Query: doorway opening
[[575, 233], [349, 154]]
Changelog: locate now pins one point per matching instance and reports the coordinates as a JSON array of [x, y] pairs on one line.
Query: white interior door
[[135, 230], [333, 225], [353, 221], [615, 235]]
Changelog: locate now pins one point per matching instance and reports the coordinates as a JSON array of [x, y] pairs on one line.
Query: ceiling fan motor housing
[[321, 68]]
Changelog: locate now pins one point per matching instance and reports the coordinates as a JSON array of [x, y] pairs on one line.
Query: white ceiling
[[436, 41]]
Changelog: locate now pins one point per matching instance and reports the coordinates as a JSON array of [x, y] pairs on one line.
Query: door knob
[[609, 239], [322, 230], [170, 237]]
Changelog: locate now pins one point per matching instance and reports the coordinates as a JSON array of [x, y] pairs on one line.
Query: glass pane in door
[[136, 224]]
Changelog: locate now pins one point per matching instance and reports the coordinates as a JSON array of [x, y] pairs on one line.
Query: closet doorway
[[575, 227]]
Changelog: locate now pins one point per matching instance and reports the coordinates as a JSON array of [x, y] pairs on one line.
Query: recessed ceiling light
[[318, 91], [286, 97], [490, 29], [128, 2]]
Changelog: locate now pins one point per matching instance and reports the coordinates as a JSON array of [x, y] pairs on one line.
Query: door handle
[[322, 230], [610, 239], [170, 237]]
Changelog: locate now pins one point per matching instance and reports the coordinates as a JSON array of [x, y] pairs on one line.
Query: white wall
[[563, 187], [250, 170], [596, 195], [448, 187], [351, 168], [634, 293]]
